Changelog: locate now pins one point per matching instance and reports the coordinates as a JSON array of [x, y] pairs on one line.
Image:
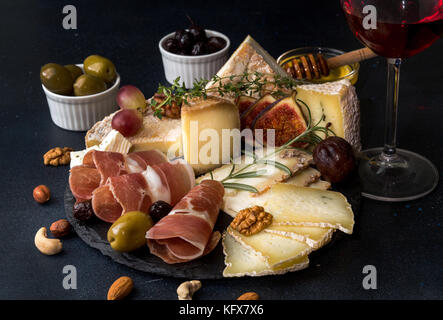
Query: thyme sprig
[[242, 84]]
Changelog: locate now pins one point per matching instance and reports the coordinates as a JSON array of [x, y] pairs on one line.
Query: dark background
[[403, 240]]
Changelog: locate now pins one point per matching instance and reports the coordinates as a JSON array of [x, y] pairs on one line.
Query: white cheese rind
[[115, 142], [77, 156]]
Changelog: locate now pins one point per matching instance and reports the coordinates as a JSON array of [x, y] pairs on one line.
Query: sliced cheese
[[320, 184], [294, 205], [337, 102], [294, 160], [77, 156], [315, 237], [207, 125], [115, 142], [162, 134], [304, 178], [275, 249], [241, 261]]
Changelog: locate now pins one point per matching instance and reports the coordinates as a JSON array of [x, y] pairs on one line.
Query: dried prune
[[83, 210], [159, 210]]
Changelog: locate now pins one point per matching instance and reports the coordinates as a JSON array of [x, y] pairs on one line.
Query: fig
[[334, 158], [286, 118], [248, 116], [244, 102]]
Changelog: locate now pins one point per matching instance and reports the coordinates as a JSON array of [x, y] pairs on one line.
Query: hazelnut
[[60, 228], [41, 194]]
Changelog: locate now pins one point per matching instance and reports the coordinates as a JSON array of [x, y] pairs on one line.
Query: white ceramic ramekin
[[80, 113], [190, 68]]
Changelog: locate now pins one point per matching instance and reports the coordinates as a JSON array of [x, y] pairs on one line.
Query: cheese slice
[[115, 142], [162, 134], [77, 156], [295, 160], [249, 57], [292, 205], [337, 102], [315, 237], [304, 178], [320, 184], [241, 261], [275, 249], [207, 125]]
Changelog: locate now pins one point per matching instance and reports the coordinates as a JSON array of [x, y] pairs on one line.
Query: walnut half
[[57, 156], [252, 220]]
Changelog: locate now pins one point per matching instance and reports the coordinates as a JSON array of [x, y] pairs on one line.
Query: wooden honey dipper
[[307, 67]]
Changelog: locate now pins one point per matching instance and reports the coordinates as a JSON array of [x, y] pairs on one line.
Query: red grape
[[130, 97], [127, 121]]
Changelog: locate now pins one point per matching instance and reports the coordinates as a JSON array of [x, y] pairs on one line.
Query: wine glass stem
[[391, 108]]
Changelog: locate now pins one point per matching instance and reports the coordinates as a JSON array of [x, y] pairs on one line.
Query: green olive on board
[[56, 78], [86, 85], [129, 231], [100, 67], [75, 71]]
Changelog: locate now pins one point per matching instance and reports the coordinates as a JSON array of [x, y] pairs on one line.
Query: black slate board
[[211, 266]]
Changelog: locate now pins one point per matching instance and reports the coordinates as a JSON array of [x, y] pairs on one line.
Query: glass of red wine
[[395, 29]]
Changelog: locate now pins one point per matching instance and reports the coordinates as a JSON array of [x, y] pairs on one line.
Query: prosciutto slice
[[187, 232], [104, 164], [169, 182]]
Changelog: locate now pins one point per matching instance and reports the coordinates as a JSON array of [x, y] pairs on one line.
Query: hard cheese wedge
[[275, 249], [241, 261], [294, 205], [315, 237], [206, 127], [338, 103], [162, 134]]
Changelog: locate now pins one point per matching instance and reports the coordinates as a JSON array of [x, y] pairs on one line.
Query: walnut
[[252, 220], [168, 110], [57, 156]]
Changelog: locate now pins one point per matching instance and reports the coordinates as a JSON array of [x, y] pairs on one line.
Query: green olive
[[128, 233], [86, 85], [74, 70], [100, 67], [56, 78]]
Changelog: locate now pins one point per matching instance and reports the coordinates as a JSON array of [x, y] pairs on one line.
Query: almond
[[249, 296], [60, 228], [120, 288]]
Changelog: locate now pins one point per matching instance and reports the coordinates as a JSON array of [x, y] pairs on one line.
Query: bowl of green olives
[[193, 54], [79, 95]]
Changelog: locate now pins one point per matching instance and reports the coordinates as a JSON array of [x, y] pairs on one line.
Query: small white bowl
[[190, 68], [82, 112]]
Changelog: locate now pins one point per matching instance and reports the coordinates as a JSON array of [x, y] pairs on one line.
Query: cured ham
[[187, 232], [83, 179], [169, 181]]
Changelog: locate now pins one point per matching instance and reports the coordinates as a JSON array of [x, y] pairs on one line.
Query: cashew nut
[[187, 289], [45, 245]]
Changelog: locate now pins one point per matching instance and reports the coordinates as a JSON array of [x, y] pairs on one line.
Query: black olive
[[199, 48], [159, 210], [216, 44], [171, 45], [198, 32], [83, 210], [178, 34], [186, 41]]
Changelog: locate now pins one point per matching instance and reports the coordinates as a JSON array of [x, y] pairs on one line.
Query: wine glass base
[[405, 176]]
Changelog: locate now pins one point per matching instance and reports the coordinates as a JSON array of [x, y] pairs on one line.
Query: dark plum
[[159, 210]]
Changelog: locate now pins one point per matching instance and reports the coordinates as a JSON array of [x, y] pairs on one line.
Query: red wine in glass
[[402, 29]]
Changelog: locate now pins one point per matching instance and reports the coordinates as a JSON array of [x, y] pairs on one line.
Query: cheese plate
[[93, 233]]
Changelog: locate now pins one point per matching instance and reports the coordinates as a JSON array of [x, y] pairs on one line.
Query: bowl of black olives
[[193, 54]]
